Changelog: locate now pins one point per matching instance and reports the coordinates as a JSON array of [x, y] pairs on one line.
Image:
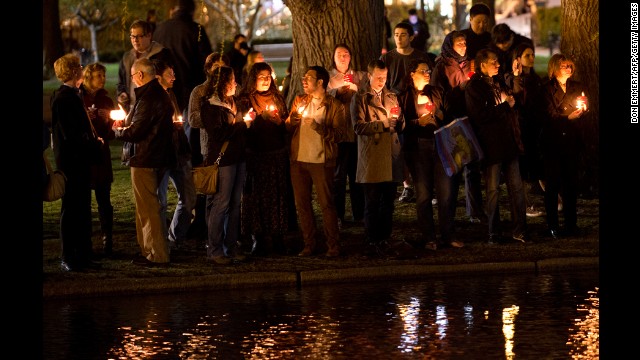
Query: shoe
[[107, 245], [65, 266], [474, 220], [520, 238], [407, 195], [142, 261], [332, 253], [553, 233], [305, 252], [239, 257], [431, 245], [532, 212], [221, 260], [371, 250], [456, 244], [494, 239], [434, 202]]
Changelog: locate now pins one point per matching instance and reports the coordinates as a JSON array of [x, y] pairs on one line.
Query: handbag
[[56, 182], [457, 145], [205, 178]]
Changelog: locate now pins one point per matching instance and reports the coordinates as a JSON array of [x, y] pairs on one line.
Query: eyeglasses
[[424, 72], [308, 78], [136, 37], [135, 73]]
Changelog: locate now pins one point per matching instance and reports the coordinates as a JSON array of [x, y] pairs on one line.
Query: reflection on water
[[550, 316]]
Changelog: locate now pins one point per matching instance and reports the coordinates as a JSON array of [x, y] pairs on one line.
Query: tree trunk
[[582, 44], [318, 25], [52, 47]]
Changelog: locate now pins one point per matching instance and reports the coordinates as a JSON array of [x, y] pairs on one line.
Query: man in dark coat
[[495, 123], [151, 133]]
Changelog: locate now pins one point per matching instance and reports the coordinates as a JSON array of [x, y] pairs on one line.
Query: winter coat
[[331, 130], [222, 123], [151, 129], [494, 122], [379, 158]]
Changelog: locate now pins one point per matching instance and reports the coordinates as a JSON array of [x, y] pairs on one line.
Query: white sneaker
[[532, 212]]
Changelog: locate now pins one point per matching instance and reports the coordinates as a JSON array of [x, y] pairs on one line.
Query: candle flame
[[117, 114]]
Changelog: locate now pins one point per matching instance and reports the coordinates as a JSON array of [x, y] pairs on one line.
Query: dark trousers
[[561, 177], [379, 199], [346, 165], [473, 190], [428, 174], [75, 217], [105, 209]]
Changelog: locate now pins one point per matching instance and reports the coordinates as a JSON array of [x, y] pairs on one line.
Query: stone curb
[[160, 285]]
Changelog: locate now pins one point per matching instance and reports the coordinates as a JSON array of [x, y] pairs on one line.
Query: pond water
[[522, 316]]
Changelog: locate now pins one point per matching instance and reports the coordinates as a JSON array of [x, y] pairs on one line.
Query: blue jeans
[[428, 174], [223, 211], [183, 182], [515, 188]]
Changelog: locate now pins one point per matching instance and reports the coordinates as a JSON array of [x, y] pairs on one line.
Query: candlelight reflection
[[509, 329], [584, 335]]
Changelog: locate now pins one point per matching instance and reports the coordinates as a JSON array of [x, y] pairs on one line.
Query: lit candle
[[581, 102], [117, 114], [178, 119], [395, 111], [470, 74], [301, 109], [250, 115], [430, 107]]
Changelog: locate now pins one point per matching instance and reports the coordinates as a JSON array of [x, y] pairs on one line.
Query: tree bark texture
[[52, 47], [318, 25], [582, 43]]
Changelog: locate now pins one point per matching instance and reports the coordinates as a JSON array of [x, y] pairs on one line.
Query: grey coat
[[379, 158]]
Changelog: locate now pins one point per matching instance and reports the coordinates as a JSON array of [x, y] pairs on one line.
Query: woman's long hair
[[252, 79], [217, 82]]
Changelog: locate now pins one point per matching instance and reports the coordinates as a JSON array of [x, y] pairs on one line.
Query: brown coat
[[330, 130]]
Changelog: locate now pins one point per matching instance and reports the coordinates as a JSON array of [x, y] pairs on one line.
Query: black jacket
[[495, 123], [560, 136], [151, 128], [73, 137], [413, 130]]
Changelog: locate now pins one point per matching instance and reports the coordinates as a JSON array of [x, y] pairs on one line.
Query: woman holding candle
[[452, 72], [223, 123], [99, 104], [344, 82], [560, 143], [266, 196], [423, 106]]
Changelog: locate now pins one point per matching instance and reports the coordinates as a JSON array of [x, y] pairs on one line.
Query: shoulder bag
[[205, 178], [56, 181]]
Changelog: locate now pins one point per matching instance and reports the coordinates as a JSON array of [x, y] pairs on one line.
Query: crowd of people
[[366, 130]]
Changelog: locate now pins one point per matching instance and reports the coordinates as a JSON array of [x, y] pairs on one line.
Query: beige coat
[[379, 157]]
